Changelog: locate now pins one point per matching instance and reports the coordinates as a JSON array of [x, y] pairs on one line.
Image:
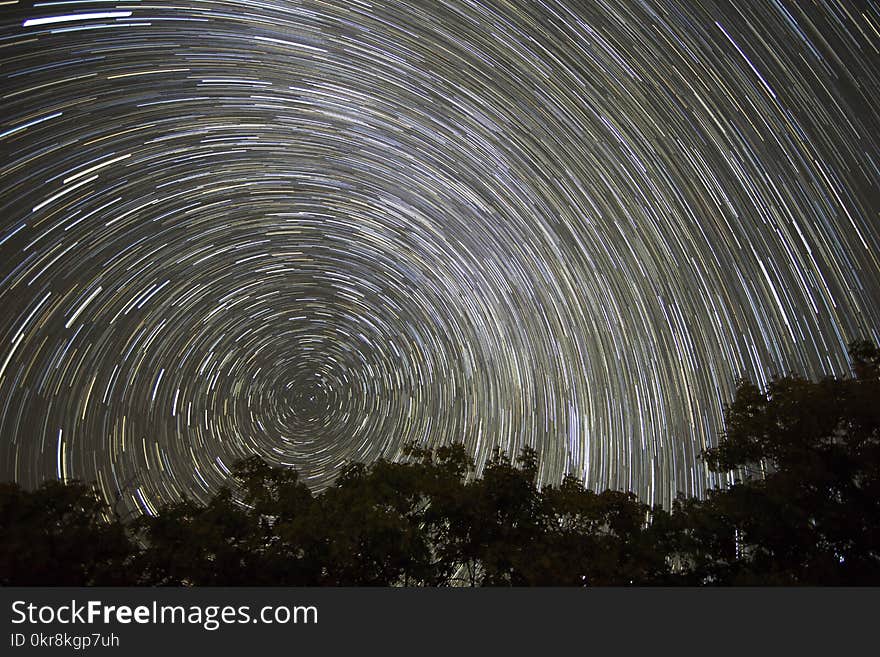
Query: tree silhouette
[[60, 535], [803, 508], [218, 544]]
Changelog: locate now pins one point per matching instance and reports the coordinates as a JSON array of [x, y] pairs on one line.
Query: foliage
[[803, 508], [59, 535]]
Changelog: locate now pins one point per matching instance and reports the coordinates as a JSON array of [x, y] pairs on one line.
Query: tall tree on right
[[805, 506]]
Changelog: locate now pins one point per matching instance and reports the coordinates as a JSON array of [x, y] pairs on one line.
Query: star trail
[[316, 231]]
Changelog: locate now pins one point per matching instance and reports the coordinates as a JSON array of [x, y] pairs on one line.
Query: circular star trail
[[316, 231]]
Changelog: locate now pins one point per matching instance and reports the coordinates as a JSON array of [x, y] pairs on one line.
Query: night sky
[[315, 231]]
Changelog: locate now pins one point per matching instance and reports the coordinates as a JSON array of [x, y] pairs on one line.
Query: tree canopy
[[803, 509]]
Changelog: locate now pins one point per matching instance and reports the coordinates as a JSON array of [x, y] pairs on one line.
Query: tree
[[60, 535], [188, 544], [368, 528], [805, 508]]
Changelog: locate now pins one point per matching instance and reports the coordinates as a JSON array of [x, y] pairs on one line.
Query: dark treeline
[[804, 509]]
